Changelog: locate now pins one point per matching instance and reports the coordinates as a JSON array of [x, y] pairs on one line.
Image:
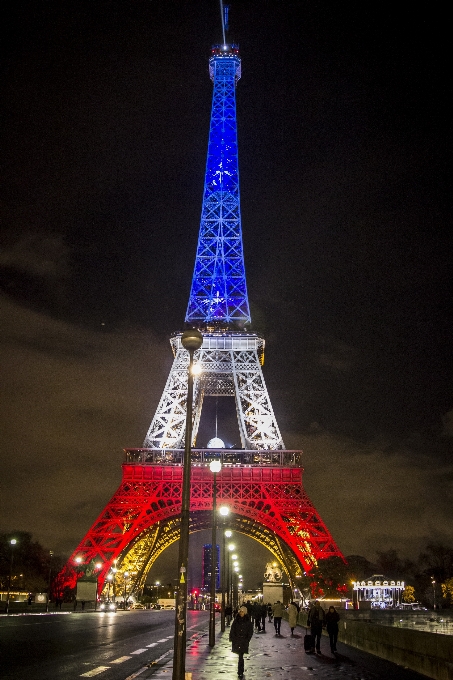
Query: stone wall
[[430, 654]]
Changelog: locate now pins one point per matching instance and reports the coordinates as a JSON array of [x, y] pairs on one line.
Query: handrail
[[228, 457]]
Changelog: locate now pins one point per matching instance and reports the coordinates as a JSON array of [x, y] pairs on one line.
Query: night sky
[[344, 149]]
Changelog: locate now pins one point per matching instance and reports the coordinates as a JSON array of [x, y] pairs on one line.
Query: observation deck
[[201, 458]]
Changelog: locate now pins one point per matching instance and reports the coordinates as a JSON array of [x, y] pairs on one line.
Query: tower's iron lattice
[[262, 483]]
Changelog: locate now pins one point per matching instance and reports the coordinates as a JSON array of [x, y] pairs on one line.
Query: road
[[87, 644]]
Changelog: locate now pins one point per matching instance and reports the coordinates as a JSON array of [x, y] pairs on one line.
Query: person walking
[[263, 612], [316, 621], [277, 611], [228, 613], [256, 616], [292, 616], [241, 632], [332, 618]]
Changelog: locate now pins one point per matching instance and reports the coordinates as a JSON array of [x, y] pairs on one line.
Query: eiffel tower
[[261, 482]]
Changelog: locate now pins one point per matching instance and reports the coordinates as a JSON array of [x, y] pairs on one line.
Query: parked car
[[137, 605]]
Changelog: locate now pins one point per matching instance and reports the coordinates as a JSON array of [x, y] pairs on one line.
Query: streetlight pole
[[215, 467], [434, 592], [191, 341], [231, 547], [49, 581], [109, 579], [157, 586], [114, 570], [125, 577], [233, 564], [98, 568], [12, 542], [224, 511]]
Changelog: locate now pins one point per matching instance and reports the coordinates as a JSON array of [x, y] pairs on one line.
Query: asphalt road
[[87, 644]]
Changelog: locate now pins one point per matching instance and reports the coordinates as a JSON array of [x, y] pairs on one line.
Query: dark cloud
[[345, 191]]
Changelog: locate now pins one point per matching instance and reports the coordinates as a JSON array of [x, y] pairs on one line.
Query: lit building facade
[[206, 568], [383, 593]]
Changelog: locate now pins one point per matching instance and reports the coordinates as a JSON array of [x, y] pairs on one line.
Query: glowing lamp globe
[[215, 443]]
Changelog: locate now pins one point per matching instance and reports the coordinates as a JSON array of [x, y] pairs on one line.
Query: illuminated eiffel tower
[[262, 482]]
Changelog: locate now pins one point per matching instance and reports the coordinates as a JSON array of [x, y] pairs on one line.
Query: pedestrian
[[332, 618], [263, 612], [269, 612], [228, 613], [316, 621], [256, 616], [292, 616], [277, 611], [241, 632]]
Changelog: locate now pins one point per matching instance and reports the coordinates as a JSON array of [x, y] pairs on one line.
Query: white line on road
[[146, 668], [153, 644], [163, 640], [121, 659], [139, 651], [95, 671]]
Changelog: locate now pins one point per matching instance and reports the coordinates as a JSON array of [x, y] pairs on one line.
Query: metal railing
[[203, 457]]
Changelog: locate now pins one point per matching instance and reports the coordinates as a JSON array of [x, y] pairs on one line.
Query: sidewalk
[[278, 657]]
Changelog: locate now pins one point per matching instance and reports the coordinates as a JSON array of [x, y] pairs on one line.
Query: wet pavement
[[276, 657]]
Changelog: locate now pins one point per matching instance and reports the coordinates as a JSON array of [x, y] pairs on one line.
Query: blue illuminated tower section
[[231, 356], [219, 289]]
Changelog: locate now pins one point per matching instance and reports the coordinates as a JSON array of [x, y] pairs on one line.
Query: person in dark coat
[[241, 632], [256, 616], [263, 612], [332, 618], [316, 621]]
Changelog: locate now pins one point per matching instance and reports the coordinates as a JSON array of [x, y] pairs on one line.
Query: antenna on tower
[[224, 9]]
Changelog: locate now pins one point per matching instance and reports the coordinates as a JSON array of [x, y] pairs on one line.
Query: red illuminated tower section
[[262, 482]]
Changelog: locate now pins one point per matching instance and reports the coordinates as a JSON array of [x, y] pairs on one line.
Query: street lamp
[[231, 547], [12, 542], [434, 591], [215, 466], [98, 567], [191, 341], [157, 584], [109, 579], [49, 581], [224, 511], [125, 578]]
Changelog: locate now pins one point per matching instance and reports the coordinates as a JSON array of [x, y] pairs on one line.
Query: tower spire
[[219, 290]]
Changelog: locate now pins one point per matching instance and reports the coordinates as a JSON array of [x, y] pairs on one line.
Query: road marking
[[153, 644], [121, 659], [139, 651], [95, 671], [163, 640]]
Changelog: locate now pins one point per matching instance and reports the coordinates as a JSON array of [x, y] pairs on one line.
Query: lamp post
[[234, 580], [114, 570], [231, 547], [109, 579], [157, 584], [224, 511], [215, 466], [98, 568], [12, 543], [434, 591], [191, 341], [125, 578], [49, 580]]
